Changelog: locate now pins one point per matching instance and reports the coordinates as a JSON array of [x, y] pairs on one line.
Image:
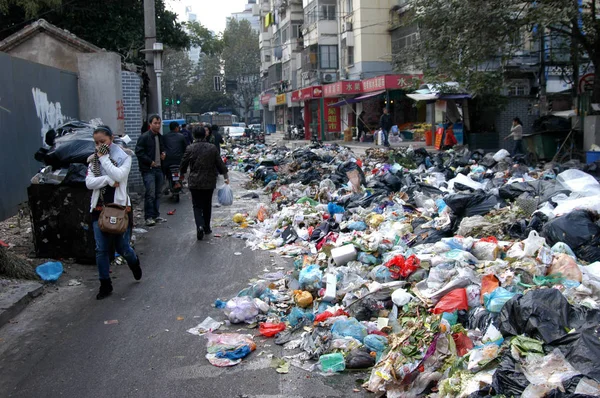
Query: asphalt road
[[61, 346]]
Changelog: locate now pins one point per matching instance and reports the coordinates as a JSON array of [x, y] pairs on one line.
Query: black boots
[[105, 289], [200, 233], [136, 270]]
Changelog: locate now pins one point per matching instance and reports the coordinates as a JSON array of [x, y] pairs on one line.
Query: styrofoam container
[[343, 254]]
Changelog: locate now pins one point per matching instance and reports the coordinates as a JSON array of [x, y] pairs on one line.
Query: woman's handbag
[[113, 219]]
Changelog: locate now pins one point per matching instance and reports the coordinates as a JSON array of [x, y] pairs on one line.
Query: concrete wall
[[55, 52], [33, 99], [100, 89], [131, 84], [372, 41]]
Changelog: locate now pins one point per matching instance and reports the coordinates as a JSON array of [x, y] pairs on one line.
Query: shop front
[[311, 98], [339, 105], [281, 112], [268, 115]]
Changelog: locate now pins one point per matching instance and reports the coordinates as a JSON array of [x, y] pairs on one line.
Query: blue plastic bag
[[225, 195], [50, 271], [495, 300], [357, 226], [451, 317], [333, 208], [349, 327], [375, 342], [367, 258], [297, 315], [310, 278]]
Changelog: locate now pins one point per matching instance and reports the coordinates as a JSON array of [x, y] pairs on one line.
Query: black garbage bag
[[430, 235], [75, 175], [419, 155], [359, 359], [590, 251], [488, 160], [468, 205], [507, 379], [392, 182], [544, 314], [480, 318], [348, 166], [70, 151], [516, 189], [581, 349], [575, 229]]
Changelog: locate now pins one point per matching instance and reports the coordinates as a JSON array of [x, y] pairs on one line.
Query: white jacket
[[109, 175]]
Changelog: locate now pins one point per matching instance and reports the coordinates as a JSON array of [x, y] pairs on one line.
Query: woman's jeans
[[104, 246]]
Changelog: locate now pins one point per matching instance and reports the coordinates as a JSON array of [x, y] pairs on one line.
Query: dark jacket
[[204, 162], [385, 122], [144, 149], [216, 139], [361, 124], [188, 136], [175, 146]]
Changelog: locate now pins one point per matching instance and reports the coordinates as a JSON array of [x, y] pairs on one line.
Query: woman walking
[[517, 133], [205, 163], [107, 176]]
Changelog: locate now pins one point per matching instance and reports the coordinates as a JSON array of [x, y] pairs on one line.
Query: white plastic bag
[[220, 182], [225, 195], [579, 181], [401, 297], [533, 243], [501, 155]]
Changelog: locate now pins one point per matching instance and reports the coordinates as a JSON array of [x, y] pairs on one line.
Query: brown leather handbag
[[113, 219]]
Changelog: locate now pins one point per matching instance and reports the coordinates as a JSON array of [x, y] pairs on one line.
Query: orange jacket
[[450, 139]]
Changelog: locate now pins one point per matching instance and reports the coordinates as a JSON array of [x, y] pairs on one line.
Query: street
[[61, 345]]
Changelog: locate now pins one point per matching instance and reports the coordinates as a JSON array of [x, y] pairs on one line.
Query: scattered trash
[[228, 349], [207, 325], [74, 282], [50, 271], [171, 212], [111, 322]]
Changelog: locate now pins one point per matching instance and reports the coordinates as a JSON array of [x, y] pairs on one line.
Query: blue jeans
[[103, 247], [153, 181], [386, 136], [518, 148]]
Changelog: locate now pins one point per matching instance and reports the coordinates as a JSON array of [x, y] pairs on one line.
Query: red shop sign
[[342, 88], [264, 99], [389, 82]]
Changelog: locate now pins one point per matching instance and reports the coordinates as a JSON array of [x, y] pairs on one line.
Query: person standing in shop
[[385, 123]]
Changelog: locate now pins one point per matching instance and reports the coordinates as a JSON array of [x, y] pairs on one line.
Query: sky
[[210, 13]]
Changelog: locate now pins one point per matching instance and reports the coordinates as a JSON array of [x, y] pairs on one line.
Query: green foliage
[[30, 8], [201, 97], [209, 42]]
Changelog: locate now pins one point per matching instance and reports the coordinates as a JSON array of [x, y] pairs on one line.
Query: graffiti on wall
[[49, 113]]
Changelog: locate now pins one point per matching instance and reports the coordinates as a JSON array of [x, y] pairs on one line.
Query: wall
[[55, 52], [131, 84], [100, 91], [516, 107], [372, 41], [33, 99]]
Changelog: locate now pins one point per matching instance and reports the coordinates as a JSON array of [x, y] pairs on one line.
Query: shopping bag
[[225, 195]]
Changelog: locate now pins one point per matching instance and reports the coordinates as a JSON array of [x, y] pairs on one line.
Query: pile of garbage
[[453, 274], [66, 151]]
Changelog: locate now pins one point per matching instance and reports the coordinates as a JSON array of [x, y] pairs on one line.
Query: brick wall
[[521, 107], [133, 122]]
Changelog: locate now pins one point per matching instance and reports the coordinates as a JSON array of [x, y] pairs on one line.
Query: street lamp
[[157, 50]]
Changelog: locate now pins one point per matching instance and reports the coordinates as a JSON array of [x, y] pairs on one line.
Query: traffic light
[[167, 101], [178, 100], [217, 83]]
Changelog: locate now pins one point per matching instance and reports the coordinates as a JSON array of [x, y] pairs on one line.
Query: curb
[[13, 301]]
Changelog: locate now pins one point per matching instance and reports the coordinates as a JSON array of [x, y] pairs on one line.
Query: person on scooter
[[175, 145]]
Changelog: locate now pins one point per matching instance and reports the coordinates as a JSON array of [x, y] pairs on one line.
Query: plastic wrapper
[[566, 266], [349, 327], [225, 196], [453, 301], [50, 271], [241, 309]]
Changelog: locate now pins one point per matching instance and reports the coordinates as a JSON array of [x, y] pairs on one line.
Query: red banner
[[332, 116], [307, 93], [264, 99], [342, 88], [296, 96], [389, 82]]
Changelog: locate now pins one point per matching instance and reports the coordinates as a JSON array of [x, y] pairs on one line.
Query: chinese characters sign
[[342, 88], [389, 82], [332, 116], [280, 99], [307, 93]]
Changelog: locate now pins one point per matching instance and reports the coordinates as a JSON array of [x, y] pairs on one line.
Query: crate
[[592, 156]]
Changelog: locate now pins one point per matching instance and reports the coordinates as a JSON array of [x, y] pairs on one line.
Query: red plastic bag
[[489, 283], [401, 267], [271, 329], [453, 301], [463, 344], [489, 239], [326, 315]]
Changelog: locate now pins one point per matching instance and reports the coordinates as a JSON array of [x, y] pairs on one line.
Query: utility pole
[[150, 39]]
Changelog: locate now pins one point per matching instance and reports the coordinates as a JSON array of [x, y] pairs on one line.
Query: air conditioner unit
[[329, 77], [348, 26]]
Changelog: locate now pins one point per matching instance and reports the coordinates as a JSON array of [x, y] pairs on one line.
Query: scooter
[[175, 183], [298, 133]]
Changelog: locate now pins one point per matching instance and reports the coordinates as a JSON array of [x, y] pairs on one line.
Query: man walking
[[187, 134], [175, 145], [150, 154], [385, 123]]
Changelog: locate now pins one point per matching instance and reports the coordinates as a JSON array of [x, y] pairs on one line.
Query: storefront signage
[[280, 99], [264, 99], [389, 82], [332, 116], [296, 96], [342, 88], [439, 136]]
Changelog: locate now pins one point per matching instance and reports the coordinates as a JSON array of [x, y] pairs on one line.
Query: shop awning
[[370, 95], [343, 102]]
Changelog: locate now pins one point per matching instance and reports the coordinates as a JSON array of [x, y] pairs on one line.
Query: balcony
[[265, 36], [319, 30], [310, 59]]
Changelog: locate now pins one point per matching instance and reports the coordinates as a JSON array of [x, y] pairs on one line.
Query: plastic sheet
[[453, 301], [349, 327]]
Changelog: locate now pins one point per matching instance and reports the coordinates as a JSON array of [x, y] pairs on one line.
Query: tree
[[208, 41], [470, 41], [177, 76], [30, 8], [241, 63], [114, 25], [201, 96]]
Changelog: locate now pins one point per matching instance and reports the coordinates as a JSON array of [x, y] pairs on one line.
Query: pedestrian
[[217, 137], [204, 162], [516, 132], [361, 127], [107, 176], [150, 152], [385, 123], [175, 145], [187, 134], [450, 139]]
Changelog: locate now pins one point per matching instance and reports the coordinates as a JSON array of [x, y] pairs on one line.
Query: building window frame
[[328, 57]]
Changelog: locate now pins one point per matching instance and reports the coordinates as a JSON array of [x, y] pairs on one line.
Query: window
[[518, 89], [267, 57], [296, 31], [329, 57], [349, 6], [350, 55], [284, 34], [327, 12], [311, 14]]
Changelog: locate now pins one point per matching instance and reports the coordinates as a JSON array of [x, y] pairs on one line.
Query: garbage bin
[[60, 218]]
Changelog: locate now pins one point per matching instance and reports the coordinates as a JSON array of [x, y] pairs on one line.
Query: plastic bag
[[575, 229], [349, 327], [533, 243], [225, 195], [401, 267], [302, 298], [374, 220], [381, 274], [298, 315], [271, 329], [495, 300], [228, 349], [463, 344], [453, 301], [357, 226], [489, 283], [579, 181], [359, 359], [50, 271], [566, 266], [401, 297], [376, 343], [333, 208], [310, 278], [501, 155], [486, 251], [241, 309]]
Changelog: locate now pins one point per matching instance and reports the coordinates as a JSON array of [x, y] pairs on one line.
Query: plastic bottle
[[332, 362]]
